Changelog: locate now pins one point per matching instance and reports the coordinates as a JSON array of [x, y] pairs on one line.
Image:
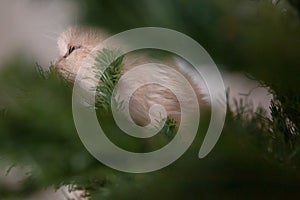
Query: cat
[[75, 46]]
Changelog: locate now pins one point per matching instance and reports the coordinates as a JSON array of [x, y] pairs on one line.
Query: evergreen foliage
[[108, 69], [256, 157]]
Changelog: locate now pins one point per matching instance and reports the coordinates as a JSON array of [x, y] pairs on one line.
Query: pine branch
[[108, 70]]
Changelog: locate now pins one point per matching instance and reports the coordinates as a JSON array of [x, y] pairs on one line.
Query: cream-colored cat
[[76, 44]]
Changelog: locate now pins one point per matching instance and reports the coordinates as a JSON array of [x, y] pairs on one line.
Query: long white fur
[[142, 100]]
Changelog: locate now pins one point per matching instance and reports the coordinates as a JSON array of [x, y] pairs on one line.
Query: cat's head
[[75, 45]]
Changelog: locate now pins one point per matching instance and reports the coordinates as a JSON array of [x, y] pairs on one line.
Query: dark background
[[256, 157]]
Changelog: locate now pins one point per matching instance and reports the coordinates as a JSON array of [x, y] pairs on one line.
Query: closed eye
[[71, 49]]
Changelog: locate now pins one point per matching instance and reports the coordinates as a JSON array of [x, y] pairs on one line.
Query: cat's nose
[[57, 61]]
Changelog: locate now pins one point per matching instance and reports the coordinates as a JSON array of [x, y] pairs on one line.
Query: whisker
[[48, 36], [54, 33]]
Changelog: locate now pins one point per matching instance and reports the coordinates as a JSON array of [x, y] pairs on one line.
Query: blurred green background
[[256, 157]]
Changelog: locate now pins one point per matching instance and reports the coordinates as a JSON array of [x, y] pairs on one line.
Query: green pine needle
[[108, 70], [170, 127]]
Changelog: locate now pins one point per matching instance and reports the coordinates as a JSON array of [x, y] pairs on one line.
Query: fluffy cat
[[75, 46]]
